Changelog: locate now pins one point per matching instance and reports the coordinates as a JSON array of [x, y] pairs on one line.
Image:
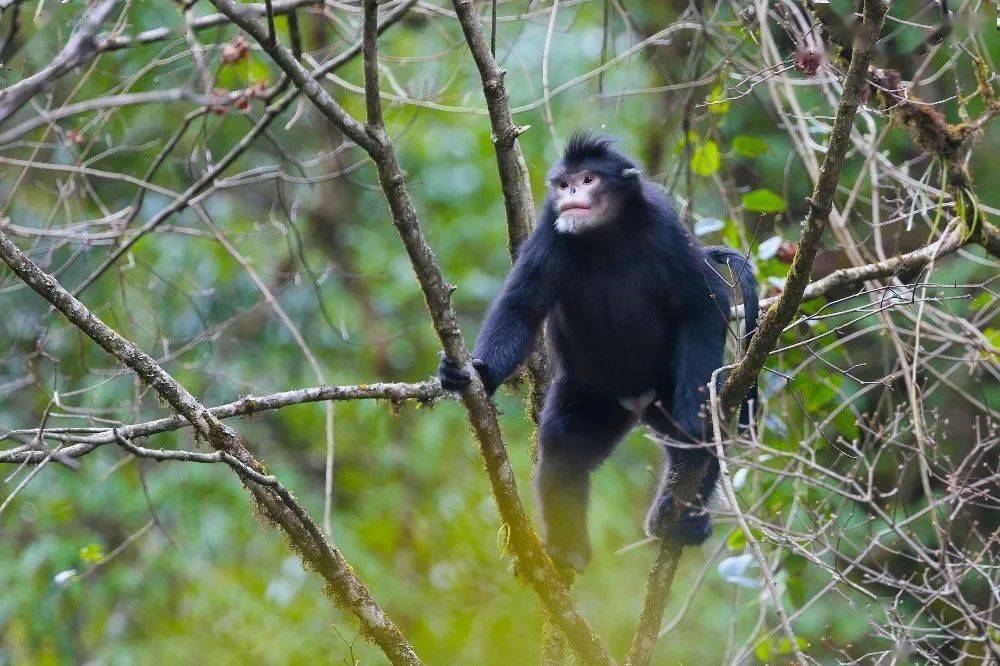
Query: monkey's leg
[[689, 524], [578, 431], [680, 510]]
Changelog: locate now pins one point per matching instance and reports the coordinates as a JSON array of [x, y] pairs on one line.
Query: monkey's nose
[[572, 190]]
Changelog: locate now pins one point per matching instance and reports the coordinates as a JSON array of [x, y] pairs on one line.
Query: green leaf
[[981, 301], [737, 540], [691, 138], [763, 650], [993, 336], [819, 394], [91, 553], [731, 234], [847, 425], [796, 592], [794, 564], [706, 160], [762, 201], [750, 146], [785, 646], [717, 102]]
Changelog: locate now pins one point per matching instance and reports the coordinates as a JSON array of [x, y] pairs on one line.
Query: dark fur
[[636, 304]]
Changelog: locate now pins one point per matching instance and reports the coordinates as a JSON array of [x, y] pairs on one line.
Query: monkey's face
[[582, 202]]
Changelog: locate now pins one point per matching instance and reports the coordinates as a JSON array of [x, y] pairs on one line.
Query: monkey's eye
[[588, 179], [563, 184]]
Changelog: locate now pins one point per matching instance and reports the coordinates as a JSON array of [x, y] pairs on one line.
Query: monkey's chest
[[617, 337]]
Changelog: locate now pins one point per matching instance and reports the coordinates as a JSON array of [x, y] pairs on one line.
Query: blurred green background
[[412, 511]]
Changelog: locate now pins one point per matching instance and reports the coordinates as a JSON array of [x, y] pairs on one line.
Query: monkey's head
[[590, 183]]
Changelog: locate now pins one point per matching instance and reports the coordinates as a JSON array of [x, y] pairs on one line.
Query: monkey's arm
[[514, 316]]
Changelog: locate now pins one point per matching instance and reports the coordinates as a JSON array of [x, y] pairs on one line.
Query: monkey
[[636, 314]]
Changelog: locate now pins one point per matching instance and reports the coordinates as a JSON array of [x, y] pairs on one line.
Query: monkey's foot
[[573, 557], [692, 528]]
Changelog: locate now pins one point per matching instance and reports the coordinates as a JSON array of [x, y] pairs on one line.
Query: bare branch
[[903, 263], [514, 178], [515, 181], [532, 558], [273, 111], [988, 236], [86, 440], [659, 580], [304, 80], [734, 505], [116, 42], [80, 48], [54, 115]]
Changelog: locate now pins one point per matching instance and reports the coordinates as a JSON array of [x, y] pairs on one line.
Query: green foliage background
[[412, 511]]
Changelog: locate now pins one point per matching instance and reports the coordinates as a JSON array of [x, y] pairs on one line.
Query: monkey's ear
[[631, 172]]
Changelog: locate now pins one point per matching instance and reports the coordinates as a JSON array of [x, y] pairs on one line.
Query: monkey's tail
[[743, 271]]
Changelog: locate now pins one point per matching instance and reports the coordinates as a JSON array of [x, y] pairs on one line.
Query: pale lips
[[574, 210]]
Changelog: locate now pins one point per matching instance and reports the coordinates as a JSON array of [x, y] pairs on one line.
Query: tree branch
[[153, 35], [514, 177], [273, 111], [515, 181], [53, 115], [988, 236], [659, 580], [305, 81], [904, 263], [276, 503], [79, 48], [87, 439], [532, 558]]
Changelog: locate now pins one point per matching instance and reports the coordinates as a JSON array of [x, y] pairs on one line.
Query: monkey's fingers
[[452, 376], [448, 360]]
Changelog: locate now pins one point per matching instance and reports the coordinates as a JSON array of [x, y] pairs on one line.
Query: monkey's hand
[[453, 376], [691, 528]]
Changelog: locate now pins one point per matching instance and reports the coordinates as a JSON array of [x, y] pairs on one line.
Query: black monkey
[[636, 313]]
